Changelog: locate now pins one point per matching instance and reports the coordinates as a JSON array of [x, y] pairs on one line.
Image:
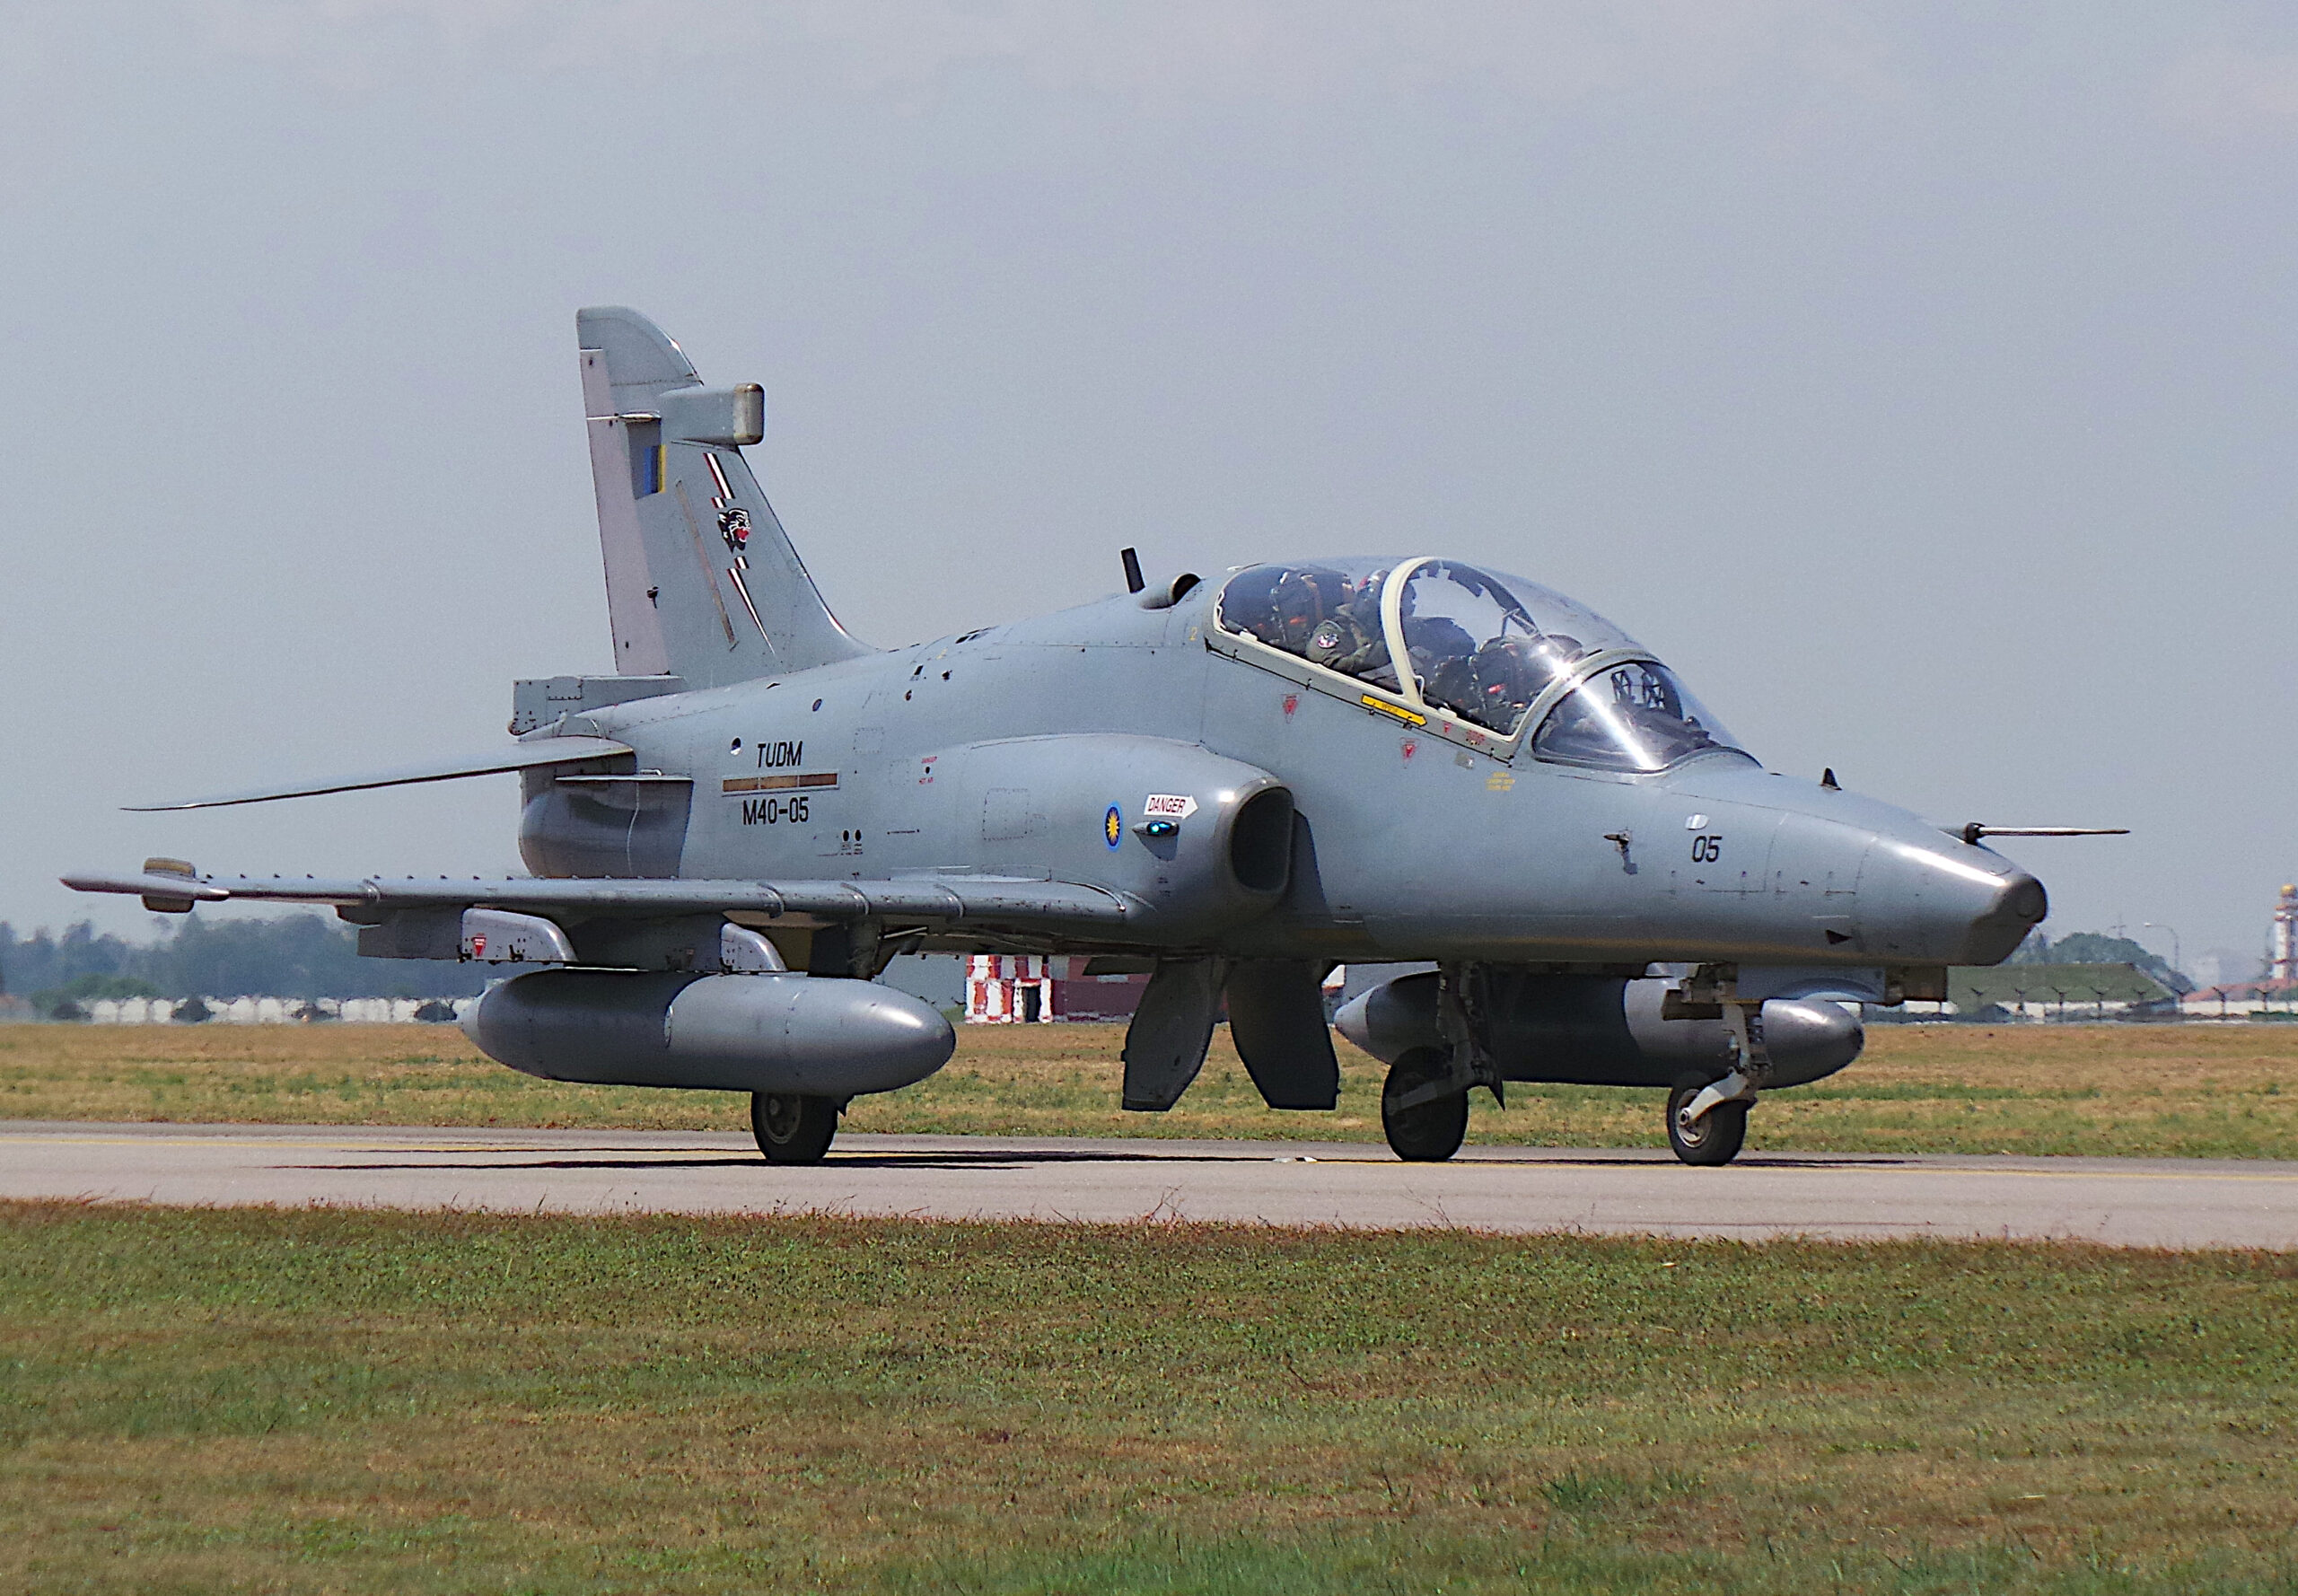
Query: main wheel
[[1716, 1137], [1428, 1132], [792, 1129]]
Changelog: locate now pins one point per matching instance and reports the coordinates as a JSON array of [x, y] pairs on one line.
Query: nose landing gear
[[1707, 1122], [1715, 1135]]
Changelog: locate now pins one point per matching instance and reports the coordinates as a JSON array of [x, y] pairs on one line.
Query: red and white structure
[[2275, 994], [1038, 989], [2286, 937]]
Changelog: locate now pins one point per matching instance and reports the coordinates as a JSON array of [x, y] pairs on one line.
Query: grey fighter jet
[[1232, 785]]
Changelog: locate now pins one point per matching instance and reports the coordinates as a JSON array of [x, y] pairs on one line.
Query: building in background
[[271, 1011], [1033, 989], [1040, 989], [2240, 1000], [2277, 993]]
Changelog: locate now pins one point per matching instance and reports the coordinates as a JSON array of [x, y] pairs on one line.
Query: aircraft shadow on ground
[[858, 1161], [1011, 1160]]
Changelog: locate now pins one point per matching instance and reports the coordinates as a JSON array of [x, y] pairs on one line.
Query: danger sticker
[[1169, 806]]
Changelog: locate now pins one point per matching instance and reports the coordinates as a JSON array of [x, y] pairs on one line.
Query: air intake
[[1261, 841]]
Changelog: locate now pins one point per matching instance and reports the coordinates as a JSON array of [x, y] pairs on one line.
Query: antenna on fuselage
[[1133, 582]]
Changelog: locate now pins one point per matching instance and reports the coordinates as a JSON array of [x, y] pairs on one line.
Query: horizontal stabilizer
[[517, 756], [1018, 900]]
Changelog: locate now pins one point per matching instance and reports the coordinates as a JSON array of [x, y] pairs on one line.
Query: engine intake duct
[[1597, 1031], [780, 1033]]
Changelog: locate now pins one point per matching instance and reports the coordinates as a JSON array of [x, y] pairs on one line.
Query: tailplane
[[702, 583]]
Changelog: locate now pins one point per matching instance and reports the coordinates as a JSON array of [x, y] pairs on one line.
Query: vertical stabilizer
[[702, 583]]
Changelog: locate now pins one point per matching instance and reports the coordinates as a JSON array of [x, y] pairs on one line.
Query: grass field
[[355, 1401], [2191, 1091]]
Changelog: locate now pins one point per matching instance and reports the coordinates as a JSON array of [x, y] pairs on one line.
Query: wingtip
[[143, 885]]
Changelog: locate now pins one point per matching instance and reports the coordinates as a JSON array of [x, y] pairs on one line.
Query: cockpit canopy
[[1488, 649]]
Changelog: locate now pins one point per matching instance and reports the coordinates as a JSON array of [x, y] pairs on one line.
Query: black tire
[[1718, 1137], [1429, 1132], [792, 1129]]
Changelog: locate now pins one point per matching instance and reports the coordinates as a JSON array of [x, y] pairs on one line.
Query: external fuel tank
[[1593, 1031], [810, 1036]]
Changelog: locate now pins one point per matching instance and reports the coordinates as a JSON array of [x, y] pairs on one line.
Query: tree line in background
[[303, 956], [2095, 947], [309, 956]]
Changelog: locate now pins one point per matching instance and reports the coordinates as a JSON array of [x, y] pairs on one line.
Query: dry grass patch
[[2167, 1091]]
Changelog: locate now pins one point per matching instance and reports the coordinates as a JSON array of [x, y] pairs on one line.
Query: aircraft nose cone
[[2019, 905]]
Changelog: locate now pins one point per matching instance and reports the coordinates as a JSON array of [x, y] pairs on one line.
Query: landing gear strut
[[1423, 1110], [1707, 1120], [794, 1129]]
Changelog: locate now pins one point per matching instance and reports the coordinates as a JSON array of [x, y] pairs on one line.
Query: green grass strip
[[355, 1401]]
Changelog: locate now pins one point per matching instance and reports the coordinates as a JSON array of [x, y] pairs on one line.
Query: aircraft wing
[[992, 899], [494, 761]]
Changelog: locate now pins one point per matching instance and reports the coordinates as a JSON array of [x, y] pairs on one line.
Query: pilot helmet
[[1364, 595], [1302, 598], [1509, 672], [1557, 651]]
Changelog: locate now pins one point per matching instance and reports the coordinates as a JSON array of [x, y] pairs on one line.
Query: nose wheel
[[1424, 1111], [792, 1129], [1717, 1136]]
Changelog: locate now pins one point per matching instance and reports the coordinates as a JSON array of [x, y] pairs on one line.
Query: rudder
[[702, 582]]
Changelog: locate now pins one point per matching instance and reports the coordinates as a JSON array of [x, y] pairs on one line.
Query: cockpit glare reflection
[[1634, 717], [1476, 645]]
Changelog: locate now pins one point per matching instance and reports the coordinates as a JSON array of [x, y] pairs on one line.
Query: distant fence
[[275, 1011]]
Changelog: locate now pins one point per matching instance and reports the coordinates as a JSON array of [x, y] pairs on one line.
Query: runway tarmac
[[2129, 1202]]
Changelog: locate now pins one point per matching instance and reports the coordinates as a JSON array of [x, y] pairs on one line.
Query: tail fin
[[701, 580]]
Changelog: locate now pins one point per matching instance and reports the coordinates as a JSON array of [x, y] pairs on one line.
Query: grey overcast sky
[[1917, 378]]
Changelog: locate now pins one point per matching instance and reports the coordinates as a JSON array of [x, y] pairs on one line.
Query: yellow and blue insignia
[[1113, 826]]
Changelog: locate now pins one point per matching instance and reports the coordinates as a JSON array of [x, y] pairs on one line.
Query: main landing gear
[[1425, 1101], [1423, 1108], [794, 1129]]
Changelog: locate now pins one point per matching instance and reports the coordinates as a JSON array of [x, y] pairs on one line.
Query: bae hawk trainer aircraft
[[1232, 785]]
